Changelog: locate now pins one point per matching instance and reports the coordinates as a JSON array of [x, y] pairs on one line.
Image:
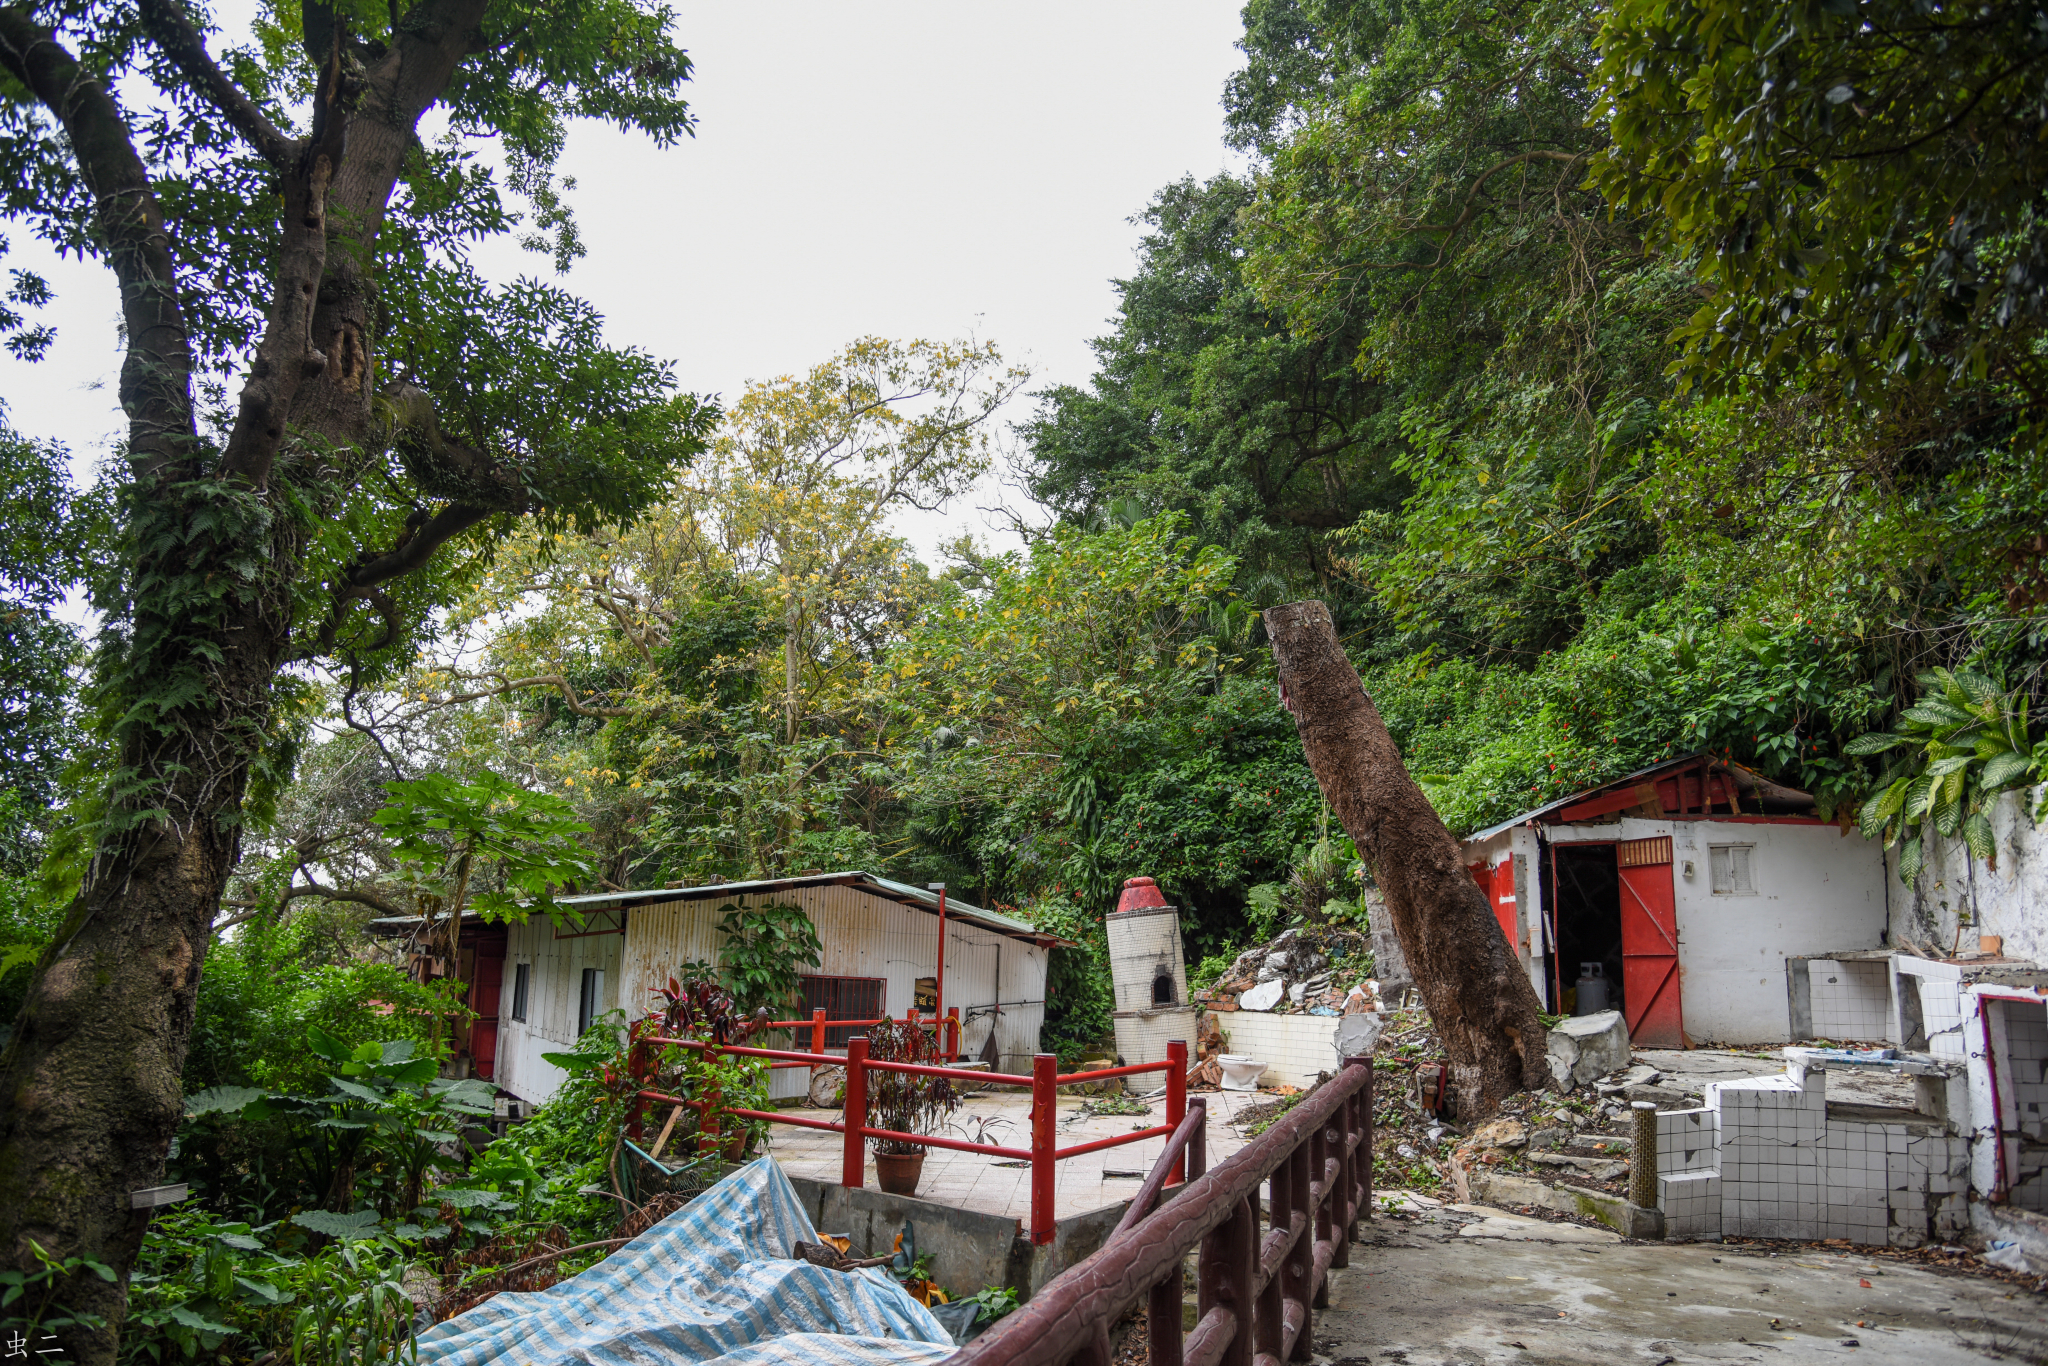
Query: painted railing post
[[952, 1033], [1223, 1277], [1177, 1096], [1045, 1071], [707, 1118], [818, 1029], [853, 1165]]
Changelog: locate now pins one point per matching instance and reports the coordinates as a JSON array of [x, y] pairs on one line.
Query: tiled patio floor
[[972, 1181]]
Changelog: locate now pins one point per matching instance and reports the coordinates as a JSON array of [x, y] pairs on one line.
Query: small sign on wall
[[926, 996]]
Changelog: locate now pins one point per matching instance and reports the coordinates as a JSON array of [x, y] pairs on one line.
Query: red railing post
[[1045, 1069], [818, 1030], [952, 1033], [707, 1118], [1177, 1096], [853, 1166]]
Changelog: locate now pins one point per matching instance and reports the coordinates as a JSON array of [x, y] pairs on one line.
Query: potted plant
[[905, 1102]]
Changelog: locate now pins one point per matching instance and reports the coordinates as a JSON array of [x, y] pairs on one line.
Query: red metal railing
[[1256, 1294], [1044, 1083]]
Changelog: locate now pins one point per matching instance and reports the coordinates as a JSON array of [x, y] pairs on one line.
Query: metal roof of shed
[[1747, 779], [916, 897]]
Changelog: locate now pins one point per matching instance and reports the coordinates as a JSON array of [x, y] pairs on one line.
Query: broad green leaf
[[326, 1045], [2003, 770], [1977, 832], [574, 1062], [192, 1319], [220, 1100], [359, 1225], [1909, 861], [1876, 742]]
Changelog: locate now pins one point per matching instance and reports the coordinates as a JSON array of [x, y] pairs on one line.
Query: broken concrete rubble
[[1588, 1047]]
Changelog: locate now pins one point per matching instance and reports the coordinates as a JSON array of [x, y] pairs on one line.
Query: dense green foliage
[[1632, 381]]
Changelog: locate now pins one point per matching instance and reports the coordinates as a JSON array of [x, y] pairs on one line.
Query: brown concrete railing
[[1256, 1293]]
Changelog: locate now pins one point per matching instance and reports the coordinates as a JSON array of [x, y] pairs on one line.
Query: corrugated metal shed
[[870, 927], [997, 979]]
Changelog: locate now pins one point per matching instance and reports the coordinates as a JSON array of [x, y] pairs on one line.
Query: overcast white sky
[[903, 169]]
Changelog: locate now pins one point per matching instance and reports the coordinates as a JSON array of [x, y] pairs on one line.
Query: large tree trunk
[[1484, 1009], [90, 1091]]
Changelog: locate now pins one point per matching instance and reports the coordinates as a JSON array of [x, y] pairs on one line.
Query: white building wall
[[866, 936], [2009, 899], [1818, 890], [554, 992]]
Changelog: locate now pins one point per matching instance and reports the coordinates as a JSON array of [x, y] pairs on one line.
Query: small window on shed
[[522, 980], [590, 1002], [1162, 989], [1729, 865]]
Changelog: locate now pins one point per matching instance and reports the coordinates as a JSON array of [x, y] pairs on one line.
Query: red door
[[1495, 883], [1649, 943], [484, 993], [1503, 894]]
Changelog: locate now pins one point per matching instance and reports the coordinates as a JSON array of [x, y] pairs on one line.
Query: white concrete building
[[1691, 883]]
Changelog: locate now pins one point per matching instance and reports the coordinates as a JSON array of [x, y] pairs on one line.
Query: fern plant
[[1954, 751]]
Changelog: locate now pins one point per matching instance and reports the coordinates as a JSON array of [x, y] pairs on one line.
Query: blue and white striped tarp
[[710, 1284]]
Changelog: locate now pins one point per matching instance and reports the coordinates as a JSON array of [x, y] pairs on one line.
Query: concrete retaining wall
[[969, 1250], [1957, 898]]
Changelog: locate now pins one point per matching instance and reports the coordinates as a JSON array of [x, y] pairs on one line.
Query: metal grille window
[[522, 977], [843, 998], [1730, 867]]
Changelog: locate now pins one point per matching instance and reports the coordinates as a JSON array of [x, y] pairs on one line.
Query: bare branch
[[506, 686], [175, 35]]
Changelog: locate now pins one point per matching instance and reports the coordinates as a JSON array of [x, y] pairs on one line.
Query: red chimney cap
[[1140, 893]]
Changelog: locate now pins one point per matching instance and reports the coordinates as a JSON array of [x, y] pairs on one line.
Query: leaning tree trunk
[[1484, 1009]]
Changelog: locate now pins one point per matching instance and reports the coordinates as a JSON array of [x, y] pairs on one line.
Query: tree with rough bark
[[281, 215], [1480, 1000]]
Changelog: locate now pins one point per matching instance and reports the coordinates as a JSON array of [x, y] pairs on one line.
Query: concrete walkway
[[1468, 1286], [972, 1181]]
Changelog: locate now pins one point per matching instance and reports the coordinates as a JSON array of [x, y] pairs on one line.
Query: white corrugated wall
[[864, 936], [554, 991]]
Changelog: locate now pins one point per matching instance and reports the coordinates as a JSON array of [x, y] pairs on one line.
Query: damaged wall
[[1957, 897]]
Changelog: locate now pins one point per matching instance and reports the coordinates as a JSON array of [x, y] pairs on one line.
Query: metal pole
[[1045, 1070], [853, 1165], [939, 990], [1177, 1097]]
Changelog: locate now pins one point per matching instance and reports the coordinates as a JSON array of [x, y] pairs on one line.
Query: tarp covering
[[712, 1283]]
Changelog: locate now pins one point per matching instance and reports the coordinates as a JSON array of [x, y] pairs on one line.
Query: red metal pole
[[1177, 1097], [818, 1030], [953, 1034], [1045, 1070], [853, 1166], [939, 989]]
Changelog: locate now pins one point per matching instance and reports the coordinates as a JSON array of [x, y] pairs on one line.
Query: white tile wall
[[2026, 1059], [1295, 1047], [1688, 1141], [1691, 1202], [1941, 1004], [1851, 1000], [1788, 1171]]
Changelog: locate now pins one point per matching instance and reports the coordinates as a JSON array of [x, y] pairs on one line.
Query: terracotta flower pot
[[897, 1173], [736, 1146]]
